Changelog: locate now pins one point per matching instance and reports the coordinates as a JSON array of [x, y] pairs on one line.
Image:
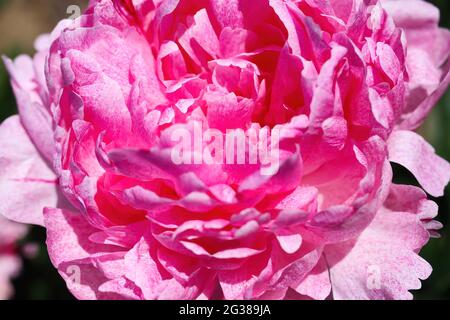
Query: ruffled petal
[[383, 262], [71, 252], [414, 153], [27, 184]]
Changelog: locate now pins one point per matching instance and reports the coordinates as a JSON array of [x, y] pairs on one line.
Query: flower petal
[[414, 153], [27, 184]]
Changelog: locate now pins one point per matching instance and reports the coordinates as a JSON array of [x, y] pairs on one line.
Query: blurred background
[[21, 21]]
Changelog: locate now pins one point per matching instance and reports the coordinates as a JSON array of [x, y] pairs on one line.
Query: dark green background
[[40, 280]]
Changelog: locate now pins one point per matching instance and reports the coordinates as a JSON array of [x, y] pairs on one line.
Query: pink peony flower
[[10, 263], [335, 82]]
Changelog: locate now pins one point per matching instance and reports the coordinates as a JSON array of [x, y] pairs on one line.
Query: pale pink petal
[[414, 153], [382, 263], [70, 250], [317, 283], [314, 216], [27, 184]]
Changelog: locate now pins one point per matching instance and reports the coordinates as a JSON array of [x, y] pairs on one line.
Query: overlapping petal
[[333, 80]]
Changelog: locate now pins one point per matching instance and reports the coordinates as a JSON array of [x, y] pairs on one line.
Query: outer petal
[[416, 118], [414, 153], [70, 250], [34, 116], [383, 262], [27, 184], [417, 18], [428, 49], [317, 283], [30, 88]]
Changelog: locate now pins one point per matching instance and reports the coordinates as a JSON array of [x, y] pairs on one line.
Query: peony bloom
[[335, 82], [10, 263]]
